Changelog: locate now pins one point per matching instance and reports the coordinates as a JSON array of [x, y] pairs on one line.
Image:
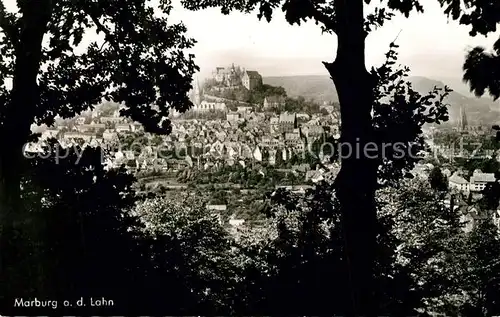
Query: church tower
[[197, 93], [462, 123]]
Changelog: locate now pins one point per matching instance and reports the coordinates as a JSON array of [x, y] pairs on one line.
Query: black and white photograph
[[250, 158]]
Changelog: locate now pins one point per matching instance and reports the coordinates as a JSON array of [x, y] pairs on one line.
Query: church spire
[[463, 119]]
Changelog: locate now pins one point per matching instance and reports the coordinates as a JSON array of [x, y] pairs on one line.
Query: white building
[[208, 105], [257, 154], [479, 180], [120, 128], [458, 182], [232, 116]]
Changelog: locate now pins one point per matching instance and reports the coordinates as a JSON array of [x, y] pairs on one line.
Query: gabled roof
[[253, 74], [458, 179], [483, 178]]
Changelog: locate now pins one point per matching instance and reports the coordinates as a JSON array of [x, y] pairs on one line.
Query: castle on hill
[[232, 77]]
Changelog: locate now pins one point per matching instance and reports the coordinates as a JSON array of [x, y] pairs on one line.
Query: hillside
[[318, 87], [321, 88]]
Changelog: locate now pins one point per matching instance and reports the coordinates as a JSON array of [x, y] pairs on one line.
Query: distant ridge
[[321, 88], [318, 87]]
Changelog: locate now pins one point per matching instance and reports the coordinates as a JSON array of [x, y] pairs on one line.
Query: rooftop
[[482, 178], [458, 179]]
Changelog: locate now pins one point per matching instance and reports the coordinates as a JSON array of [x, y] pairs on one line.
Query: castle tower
[[462, 123]]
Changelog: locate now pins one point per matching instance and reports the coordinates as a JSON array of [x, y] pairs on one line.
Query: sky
[[430, 45]]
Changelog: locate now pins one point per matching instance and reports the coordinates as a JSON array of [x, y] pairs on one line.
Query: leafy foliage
[[86, 243], [437, 180], [481, 71], [399, 113], [141, 61], [190, 244], [105, 241], [431, 243], [482, 279]]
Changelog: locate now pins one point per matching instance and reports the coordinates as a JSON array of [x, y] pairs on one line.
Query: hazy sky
[[429, 44]]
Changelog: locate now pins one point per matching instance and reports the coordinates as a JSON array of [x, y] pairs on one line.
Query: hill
[[318, 87], [321, 88]]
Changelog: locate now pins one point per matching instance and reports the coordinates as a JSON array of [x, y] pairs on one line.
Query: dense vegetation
[[80, 230], [255, 96]]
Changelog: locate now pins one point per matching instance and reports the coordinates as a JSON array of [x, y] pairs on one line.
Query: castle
[[232, 77]]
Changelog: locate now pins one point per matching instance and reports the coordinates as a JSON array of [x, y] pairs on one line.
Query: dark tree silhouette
[[482, 278], [437, 180], [105, 241], [491, 195], [482, 69], [140, 62], [309, 250], [87, 249], [357, 180]]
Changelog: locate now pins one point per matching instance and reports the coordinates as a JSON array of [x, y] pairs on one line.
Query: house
[[137, 127], [293, 135], [471, 216], [301, 168], [257, 154], [296, 145], [236, 222], [232, 116], [208, 105], [287, 122], [327, 107], [314, 176], [231, 150], [129, 155], [420, 170], [78, 136], [243, 109], [109, 136], [86, 128], [479, 180], [246, 151], [221, 135], [251, 79], [80, 120], [274, 102], [303, 116], [272, 157], [120, 128], [313, 131], [49, 134], [97, 126], [270, 143], [458, 182]]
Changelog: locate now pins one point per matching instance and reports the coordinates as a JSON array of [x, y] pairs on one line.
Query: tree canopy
[[357, 180], [136, 58]]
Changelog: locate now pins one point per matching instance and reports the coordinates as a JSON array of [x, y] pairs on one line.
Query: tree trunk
[[21, 268], [357, 180]]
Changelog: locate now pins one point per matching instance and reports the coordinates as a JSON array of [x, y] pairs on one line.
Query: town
[[243, 139]]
